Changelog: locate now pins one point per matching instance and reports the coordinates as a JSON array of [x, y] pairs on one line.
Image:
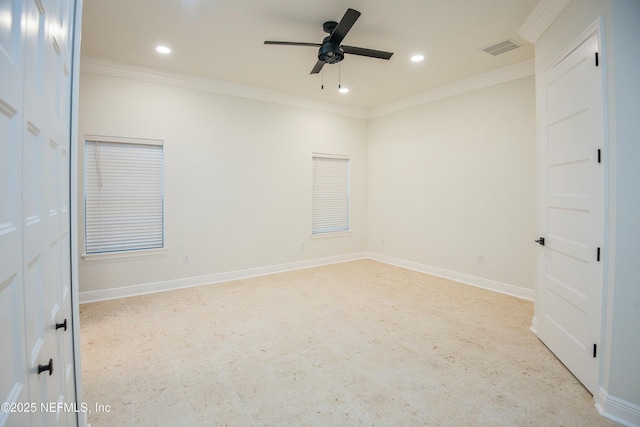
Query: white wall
[[624, 375], [619, 395], [442, 183], [454, 179], [237, 178]]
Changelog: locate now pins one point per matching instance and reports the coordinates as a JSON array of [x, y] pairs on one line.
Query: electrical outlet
[[480, 259], [185, 258], [302, 245]]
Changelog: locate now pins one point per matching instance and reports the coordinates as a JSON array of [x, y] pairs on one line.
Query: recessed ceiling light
[[163, 49], [417, 58], [343, 90]]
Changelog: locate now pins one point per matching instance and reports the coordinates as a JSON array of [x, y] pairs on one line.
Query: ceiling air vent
[[501, 47]]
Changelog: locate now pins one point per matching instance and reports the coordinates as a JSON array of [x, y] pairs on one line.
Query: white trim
[[467, 279], [334, 234], [123, 254], [134, 72], [481, 81], [188, 282], [331, 156], [596, 28], [540, 18], [618, 410], [123, 140], [128, 71], [534, 325], [81, 417]]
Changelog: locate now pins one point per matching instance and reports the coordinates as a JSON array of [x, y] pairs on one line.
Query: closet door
[[37, 363], [13, 359]]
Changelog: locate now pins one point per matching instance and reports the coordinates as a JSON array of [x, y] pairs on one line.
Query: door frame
[[73, 207], [597, 29]]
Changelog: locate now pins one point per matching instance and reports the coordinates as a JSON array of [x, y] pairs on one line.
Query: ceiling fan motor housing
[[330, 53], [329, 26]]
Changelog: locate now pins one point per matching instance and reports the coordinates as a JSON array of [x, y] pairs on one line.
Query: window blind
[[330, 207], [123, 196]]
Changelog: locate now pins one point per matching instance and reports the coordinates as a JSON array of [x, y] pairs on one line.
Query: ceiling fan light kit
[[330, 53], [331, 50]]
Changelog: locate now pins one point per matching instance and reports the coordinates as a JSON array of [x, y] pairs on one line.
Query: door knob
[[62, 325], [48, 367], [541, 241]]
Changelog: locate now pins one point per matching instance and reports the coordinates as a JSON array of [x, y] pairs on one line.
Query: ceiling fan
[[331, 50]]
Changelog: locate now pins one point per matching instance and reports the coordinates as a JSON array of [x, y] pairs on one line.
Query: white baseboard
[[534, 325], [188, 282], [618, 410], [467, 279], [169, 285]]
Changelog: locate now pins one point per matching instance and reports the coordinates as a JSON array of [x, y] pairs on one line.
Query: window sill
[[124, 254], [333, 234]]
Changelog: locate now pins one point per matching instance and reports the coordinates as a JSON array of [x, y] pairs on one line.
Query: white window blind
[[123, 196], [330, 207]]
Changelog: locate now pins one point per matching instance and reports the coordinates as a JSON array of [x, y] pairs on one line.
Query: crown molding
[[540, 18], [481, 81], [135, 72], [122, 70]]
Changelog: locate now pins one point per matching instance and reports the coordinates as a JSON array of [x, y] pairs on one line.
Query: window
[[330, 207], [123, 193]]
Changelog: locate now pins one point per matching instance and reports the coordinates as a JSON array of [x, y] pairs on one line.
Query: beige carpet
[[358, 343]]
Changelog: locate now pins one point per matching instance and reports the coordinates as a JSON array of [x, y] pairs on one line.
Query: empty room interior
[[337, 213], [267, 301]]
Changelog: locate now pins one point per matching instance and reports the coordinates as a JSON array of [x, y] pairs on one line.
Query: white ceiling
[[223, 40]]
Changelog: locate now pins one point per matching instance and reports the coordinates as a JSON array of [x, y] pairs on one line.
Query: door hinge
[[599, 155], [597, 60], [598, 255], [595, 350]]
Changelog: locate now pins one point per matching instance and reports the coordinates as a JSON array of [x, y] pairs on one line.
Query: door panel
[[13, 359], [35, 275], [569, 287], [13, 368]]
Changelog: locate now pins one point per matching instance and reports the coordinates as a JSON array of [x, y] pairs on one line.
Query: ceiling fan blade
[[292, 43], [366, 52], [317, 67], [347, 21]]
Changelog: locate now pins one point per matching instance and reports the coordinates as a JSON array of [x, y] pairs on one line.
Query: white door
[[13, 361], [569, 279], [36, 358]]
